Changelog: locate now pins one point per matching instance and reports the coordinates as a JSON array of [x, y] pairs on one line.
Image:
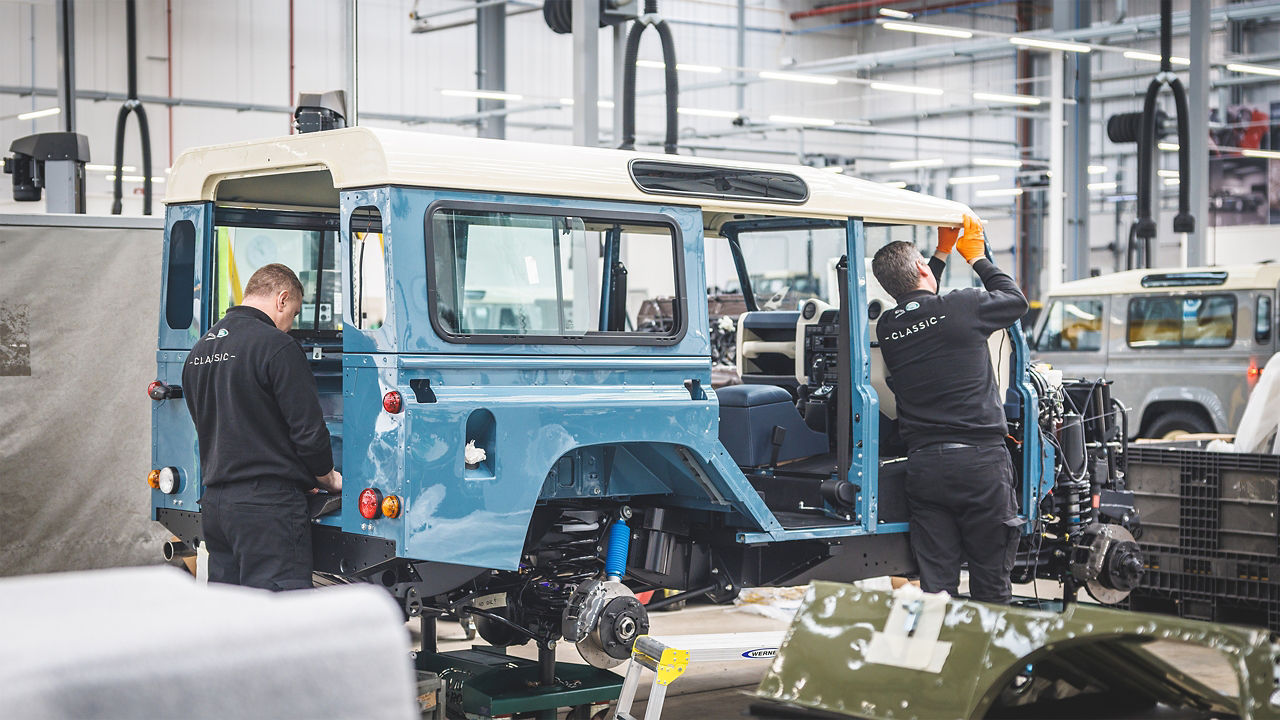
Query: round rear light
[[167, 480], [153, 479], [391, 506], [370, 503], [392, 402], [156, 390]]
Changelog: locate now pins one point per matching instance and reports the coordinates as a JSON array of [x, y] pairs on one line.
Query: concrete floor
[[723, 690]]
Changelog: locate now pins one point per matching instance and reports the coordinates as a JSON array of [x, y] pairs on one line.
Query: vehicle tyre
[[1169, 425]]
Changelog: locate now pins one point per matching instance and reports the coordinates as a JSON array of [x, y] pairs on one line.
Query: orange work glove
[[947, 238], [972, 243]]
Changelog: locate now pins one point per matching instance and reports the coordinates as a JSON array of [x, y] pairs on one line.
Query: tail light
[[391, 506], [153, 479], [157, 390], [392, 402], [370, 503], [1254, 372]]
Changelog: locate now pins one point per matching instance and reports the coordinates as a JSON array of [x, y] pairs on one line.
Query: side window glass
[[1182, 321], [525, 274], [180, 296], [1072, 326], [1262, 320], [368, 269]]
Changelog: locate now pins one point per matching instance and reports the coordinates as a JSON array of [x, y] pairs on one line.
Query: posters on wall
[[1244, 190]]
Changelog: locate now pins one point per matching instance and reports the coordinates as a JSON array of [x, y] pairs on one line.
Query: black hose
[[132, 104], [673, 86], [629, 86], [1166, 36], [1184, 221], [1146, 226], [670, 145]]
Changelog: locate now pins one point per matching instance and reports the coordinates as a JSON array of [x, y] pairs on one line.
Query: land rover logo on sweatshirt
[[913, 305], [221, 334]]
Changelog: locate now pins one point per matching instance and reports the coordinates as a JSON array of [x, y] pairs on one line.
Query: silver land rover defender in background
[[1184, 347]]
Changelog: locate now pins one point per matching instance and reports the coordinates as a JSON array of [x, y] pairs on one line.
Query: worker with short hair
[[960, 484], [262, 438]]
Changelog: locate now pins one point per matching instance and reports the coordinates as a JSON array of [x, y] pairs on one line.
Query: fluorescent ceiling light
[[927, 29], [972, 179], [1172, 181], [794, 120], [1171, 147], [926, 162], [39, 113], [834, 168], [1238, 67], [1102, 186], [483, 94], [686, 67], [798, 77], [135, 178], [1155, 57], [702, 112], [1167, 173], [998, 193], [601, 104], [899, 14], [1001, 97], [996, 162], [110, 168], [1260, 153], [915, 89], [1097, 169], [1049, 44], [900, 184]]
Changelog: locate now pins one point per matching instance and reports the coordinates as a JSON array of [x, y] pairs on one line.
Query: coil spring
[[573, 559]]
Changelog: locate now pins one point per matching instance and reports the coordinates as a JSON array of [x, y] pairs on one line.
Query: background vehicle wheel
[[1171, 424]]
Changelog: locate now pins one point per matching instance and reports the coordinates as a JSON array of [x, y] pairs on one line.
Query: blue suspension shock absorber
[[615, 563]]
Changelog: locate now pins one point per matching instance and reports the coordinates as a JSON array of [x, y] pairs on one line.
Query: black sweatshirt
[[935, 353], [255, 405]]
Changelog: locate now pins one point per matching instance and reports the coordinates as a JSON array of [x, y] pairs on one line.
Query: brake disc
[[603, 619]]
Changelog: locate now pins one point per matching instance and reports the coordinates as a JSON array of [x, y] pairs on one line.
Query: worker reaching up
[[960, 480]]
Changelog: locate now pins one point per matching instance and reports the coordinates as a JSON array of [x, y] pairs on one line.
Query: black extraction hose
[[1144, 227], [629, 79], [132, 105]]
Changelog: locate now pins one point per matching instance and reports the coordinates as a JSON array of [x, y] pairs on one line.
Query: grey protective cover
[[151, 643]]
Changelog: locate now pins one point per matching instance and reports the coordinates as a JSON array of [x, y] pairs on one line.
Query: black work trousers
[[258, 534], [962, 505]]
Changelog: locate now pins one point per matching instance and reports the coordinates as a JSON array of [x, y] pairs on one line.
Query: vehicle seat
[[748, 415]]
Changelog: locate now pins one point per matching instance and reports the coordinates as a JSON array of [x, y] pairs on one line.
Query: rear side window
[[180, 296], [368, 269], [1072, 325], [1182, 321], [553, 278], [1262, 320]]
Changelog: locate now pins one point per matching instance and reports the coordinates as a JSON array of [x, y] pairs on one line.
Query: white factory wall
[[238, 51]]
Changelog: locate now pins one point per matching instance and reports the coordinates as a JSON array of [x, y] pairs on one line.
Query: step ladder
[[667, 657]]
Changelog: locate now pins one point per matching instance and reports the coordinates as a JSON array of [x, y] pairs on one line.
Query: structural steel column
[[491, 66], [351, 40], [66, 21], [586, 72], [1072, 16], [619, 67], [1196, 247], [1053, 231]]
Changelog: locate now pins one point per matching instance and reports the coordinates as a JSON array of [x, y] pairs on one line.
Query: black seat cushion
[[751, 395]]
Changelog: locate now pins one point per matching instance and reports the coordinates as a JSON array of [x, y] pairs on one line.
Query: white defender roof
[[362, 157], [1238, 277]]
